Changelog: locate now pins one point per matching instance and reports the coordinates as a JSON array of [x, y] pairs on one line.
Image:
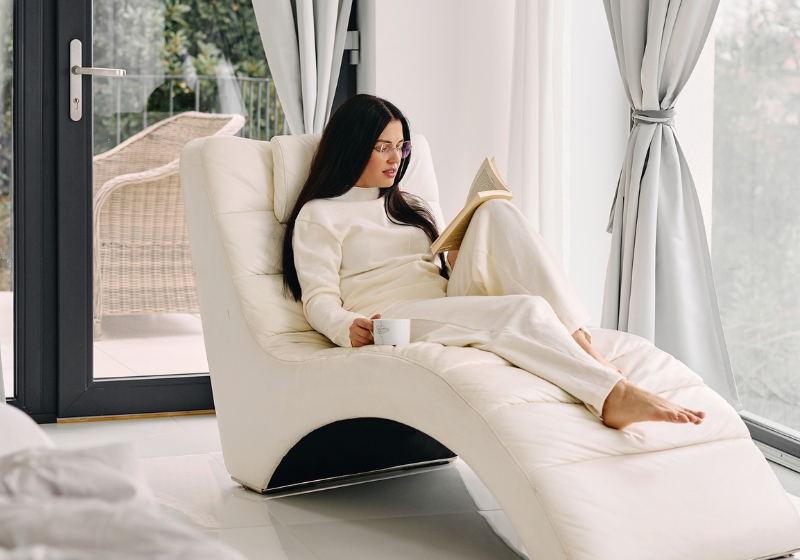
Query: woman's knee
[[530, 304], [498, 209]]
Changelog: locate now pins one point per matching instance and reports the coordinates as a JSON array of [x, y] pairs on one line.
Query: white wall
[[447, 65], [599, 120]]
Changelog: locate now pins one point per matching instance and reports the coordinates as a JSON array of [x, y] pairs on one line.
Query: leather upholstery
[[571, 487]]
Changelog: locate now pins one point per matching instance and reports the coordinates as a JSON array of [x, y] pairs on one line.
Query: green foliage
[[756, 207], [6, 141], [205, 29], [173, 38]]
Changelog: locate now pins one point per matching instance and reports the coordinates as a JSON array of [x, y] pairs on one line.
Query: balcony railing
[[264, 117]]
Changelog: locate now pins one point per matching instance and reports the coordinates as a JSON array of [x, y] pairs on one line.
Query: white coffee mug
[[394, 332]]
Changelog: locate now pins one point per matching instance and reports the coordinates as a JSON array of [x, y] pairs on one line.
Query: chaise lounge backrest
[[262, 182]]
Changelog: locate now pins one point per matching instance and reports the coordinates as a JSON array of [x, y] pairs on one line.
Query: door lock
[[76, 73]]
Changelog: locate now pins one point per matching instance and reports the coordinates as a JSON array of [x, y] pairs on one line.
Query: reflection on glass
[[6, 202], [194, 68], [756, 208]]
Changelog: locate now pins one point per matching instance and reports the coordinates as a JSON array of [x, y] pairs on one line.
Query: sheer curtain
[[537, 162], [304, 43], [659, 283]]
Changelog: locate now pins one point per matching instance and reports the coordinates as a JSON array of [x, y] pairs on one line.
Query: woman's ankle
[[587, 347]]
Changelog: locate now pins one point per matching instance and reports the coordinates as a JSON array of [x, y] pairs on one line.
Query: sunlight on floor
[[157, 344]]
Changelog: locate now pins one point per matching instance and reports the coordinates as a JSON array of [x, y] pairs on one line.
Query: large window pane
[[756, 204], [194, 68]]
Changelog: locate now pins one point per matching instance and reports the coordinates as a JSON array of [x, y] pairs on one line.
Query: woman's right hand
[[361, 332]]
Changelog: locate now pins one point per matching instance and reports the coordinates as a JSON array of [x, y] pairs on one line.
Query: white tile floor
[[442, 513]]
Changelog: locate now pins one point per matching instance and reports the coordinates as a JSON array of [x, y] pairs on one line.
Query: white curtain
[[127, 34], [304, 43], [230, 96], [538, 162], [659, 283]]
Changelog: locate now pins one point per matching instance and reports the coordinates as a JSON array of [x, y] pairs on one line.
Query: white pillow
[[291, 157]]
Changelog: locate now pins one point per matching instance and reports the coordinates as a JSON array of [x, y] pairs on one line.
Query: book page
[[487, 179], [493, 165], [483, 180]]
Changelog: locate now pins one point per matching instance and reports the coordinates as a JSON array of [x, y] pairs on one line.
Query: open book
[[487, 185]]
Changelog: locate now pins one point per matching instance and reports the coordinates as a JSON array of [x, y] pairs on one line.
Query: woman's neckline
[[356, 194]]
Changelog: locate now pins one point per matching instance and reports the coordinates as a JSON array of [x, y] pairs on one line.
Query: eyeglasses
[[385, 150]]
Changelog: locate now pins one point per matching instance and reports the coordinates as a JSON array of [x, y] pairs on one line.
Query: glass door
[[6, 198], [130, 335]]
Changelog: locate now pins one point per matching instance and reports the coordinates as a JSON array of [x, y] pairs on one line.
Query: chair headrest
[[291, 157]]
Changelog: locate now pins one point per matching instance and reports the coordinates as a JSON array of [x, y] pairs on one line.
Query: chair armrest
[[121, 180]]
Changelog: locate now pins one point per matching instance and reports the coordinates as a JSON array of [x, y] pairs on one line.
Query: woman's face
[[381, 172]]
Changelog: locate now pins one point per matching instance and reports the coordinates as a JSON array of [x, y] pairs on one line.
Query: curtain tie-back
[[654, 117], [665, 117]]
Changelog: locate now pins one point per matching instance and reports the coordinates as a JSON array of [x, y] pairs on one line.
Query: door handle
[[98, 71], [76, 74]]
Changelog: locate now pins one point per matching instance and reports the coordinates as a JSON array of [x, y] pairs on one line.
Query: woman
[[357, 249]]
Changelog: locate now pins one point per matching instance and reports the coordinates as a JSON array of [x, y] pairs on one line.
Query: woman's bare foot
[[628, 403], [584, 343]]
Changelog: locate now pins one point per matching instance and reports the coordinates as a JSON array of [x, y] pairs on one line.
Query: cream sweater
[[352, 261]]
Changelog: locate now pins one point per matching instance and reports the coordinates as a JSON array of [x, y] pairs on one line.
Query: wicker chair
[[141, 249]]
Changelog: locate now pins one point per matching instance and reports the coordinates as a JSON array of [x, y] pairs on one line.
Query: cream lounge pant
[[509, 295]]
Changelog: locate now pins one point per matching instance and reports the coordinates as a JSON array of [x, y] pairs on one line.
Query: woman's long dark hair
[[342, 155]]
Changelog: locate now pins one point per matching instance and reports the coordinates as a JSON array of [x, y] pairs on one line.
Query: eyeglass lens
[[386, 149]]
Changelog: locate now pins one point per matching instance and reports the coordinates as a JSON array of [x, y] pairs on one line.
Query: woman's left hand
[[452, 255]]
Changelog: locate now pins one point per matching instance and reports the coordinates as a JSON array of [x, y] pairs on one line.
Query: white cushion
[[291, 157]]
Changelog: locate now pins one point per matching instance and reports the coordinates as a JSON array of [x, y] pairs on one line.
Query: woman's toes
[[684, 415], [695, 415]]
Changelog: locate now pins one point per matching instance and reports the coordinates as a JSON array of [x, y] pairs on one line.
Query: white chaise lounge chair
[[572, 488]]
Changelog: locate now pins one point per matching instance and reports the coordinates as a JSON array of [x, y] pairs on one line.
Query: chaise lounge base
[[354, 449], [571, 487]]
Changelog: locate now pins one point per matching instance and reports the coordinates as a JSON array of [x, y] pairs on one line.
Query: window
[[756, 200]]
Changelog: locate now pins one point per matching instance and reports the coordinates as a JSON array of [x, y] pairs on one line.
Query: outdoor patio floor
[[130, 345]]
